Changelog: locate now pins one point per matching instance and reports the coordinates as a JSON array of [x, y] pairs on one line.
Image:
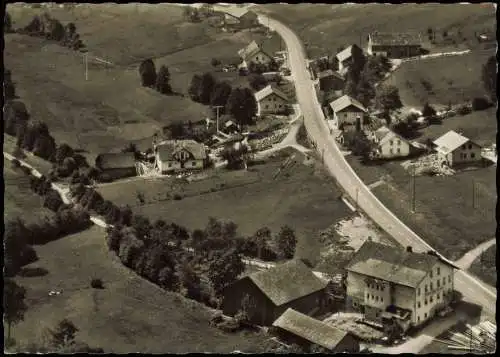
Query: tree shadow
[[33, 272]]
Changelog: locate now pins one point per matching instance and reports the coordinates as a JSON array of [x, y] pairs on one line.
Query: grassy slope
[[111, 108], [454, 79], [129, 315], [326, 27], [306, 200], [445, 217], [19, 200], [486, 268]]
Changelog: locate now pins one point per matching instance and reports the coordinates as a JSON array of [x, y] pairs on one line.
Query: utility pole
[[217, 107], [473, 194], [412, 182], [85, 59]]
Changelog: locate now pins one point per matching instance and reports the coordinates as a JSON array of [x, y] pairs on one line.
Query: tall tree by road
[[261, 239], [163, 81], [63, 336], [225, 267], [207, 85], [147, 71], [285, 242], [14, 305], [220, 95], [489, 77], [242, 106], [257, 81]]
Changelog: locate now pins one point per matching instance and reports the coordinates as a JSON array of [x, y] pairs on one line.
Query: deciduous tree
[[388, 98], [64, 334], [225, 267], [261, 239], [242, 106], [14, 305], [428, 111], [489, 77], [220, 95], [147, 72], [163, 81], [257, 81], [285, 242]]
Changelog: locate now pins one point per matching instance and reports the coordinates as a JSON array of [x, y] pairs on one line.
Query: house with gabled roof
[[267, 294], [329, 80], [390, 284], [117, 165], [254, 53], [388, 144], [344, 58], [348, 113], [313, 335], [271, 100], [394, 45], [454, 149], [175, 155], [241, 17]]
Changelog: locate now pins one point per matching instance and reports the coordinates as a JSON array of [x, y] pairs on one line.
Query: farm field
[[485, 267], [111, 109], [441, 81], [129, 314], [324, 28], [302, 197], [445, 217], [19, 200]]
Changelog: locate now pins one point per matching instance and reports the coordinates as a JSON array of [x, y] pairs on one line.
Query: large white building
[[392, 284], [453, 149], [175, 155]]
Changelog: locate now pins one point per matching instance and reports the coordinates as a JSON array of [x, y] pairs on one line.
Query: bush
[[480, 103], [16, 164], [177, 197], [464, 110], [104, 177], [97, 284]]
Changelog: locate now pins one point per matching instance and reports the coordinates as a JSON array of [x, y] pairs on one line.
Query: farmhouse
[[344, 58], [347, 113], [454, 149], [175, 155], [331, 81], [312, 334], [117, 165], [394, 45], [271, 100], [240, 17], [389, 144], [254, 53], [268, 294], [390, 284]]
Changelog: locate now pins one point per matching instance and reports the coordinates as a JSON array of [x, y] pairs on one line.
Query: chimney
[[409, 249]]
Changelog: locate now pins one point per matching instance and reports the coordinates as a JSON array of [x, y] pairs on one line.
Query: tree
[[236, 157], [257, 81], [189, 281], [220, 94], [53, 201], [63, 151], [14, 305], [285, 242], [14, 245], [195, 88], [35, 26], [206, 88], [365, 91], [56, 30], [489, 77], [428, 111], [64, 334], [261, 239], [480, 103], [387, 98], [225, 267], [162, 81], [242, 106], [114, 237], [147, 72], [215, 62], [16, 117], [187, 12]]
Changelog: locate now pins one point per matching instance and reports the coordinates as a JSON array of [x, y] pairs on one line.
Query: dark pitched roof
[[310, 329], [330, 73], [392, 264], [287, 282], [121, 160], [395, 39]]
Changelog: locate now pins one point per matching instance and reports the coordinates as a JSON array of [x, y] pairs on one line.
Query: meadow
[[110, 108], [323, 28], [485, 266]]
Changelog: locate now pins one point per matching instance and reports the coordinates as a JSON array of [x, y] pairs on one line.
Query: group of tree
[[489, 77], [387, 98], [236, 157], [359, 144], [257, 81], [238, 102], [17, 251], [7, 23], [52, 29], [259, 68], [14, 306], [192, 14], [159, 81], [9, 89]]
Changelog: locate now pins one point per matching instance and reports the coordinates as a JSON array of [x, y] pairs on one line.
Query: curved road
[[472, 289]]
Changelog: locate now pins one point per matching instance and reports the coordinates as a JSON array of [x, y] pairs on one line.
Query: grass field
[[485, 267], [455, 79], [324, 28], [19, 200], [445, 217], [302, 197], [111, 109], [128, 315]]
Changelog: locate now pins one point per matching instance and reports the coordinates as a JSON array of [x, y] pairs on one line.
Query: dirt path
[[466, 261]]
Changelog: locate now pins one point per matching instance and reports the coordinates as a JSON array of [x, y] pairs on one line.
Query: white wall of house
[[348, 116], [259, 57], [356, 286], [469, 152], [442, 283], [230, 20], [395, 147], [271, 104], [174, 165]]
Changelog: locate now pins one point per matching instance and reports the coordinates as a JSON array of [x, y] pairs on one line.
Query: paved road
[[471, 288], [466, 261]]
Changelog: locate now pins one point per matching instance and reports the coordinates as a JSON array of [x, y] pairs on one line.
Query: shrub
[[177, 197], [19, 153], [16, 164], [428, 111], [104, 177], [96, 284], [480, 103], [464, 110]]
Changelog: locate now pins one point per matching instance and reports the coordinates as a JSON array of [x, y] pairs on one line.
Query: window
[[399, 151], [431, 286], [470, 146], [425, 302], [463, 147], [438, 296], [444, 281], [390, 142], [425, 288], [418, 318], [449, 278], [431, 299], [390, 150], [280, 105], [431, 277], [267, 106], [472, 155], [425, 315], [193, 163], [376, 298], [381, 299], [367, 295], [418, 291], [169, 164], [438, 271], [418, 304], [382, 288], [438, 283]]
